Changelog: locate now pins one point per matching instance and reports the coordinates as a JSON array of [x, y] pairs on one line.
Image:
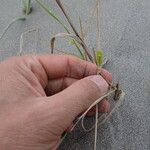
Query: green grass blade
[[99, 57], [52, 14], [27, 7]]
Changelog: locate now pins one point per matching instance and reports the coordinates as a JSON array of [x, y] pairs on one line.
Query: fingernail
[[100, 82]]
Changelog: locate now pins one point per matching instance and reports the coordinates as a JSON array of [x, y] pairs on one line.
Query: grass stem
[[52, 14], [96, 127], [10, 24], [74, 29]]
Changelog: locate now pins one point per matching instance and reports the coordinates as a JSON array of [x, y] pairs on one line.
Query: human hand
[[40, 96]]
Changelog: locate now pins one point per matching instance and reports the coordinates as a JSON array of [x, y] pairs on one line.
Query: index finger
[[58, 66]]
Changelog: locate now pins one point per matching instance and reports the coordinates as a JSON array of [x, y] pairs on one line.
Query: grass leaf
[[71, 42], [27, 7], [99, 57]]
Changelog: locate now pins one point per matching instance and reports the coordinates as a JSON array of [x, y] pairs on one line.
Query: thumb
[[79, 96]]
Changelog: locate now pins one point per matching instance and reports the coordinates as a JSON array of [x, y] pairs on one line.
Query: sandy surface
[[125, 39]]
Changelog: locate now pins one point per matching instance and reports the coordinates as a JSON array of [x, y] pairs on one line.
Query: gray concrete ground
[[125, 39]]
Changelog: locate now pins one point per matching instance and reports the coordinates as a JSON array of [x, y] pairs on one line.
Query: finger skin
[[66, 66], [70, 66], [56, 85], [106, 75]]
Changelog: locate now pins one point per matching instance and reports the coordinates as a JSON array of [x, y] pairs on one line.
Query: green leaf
[[71, 42], [99, 57]]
